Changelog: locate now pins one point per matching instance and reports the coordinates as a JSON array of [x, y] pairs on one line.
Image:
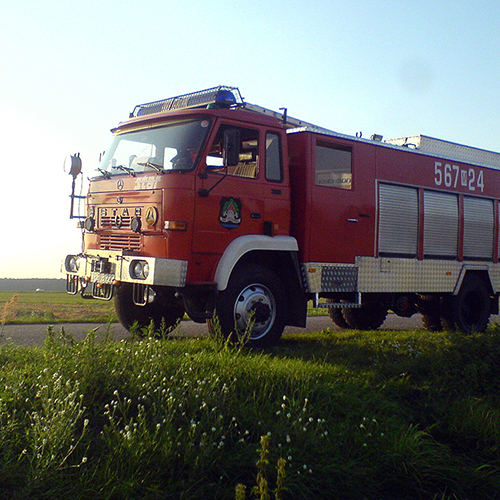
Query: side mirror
[[231, 147], [73, 165]]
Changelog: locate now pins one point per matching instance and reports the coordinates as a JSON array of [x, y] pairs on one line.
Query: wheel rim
[[255, 304]]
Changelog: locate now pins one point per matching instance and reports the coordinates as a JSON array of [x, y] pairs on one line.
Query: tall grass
[[377, 415]]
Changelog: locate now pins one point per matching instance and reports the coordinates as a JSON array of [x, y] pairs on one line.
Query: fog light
[[139, 269], [71, 264], [136, 224], [89, 224]]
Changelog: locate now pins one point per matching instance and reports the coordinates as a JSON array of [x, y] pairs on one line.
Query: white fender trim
[[244, 244]]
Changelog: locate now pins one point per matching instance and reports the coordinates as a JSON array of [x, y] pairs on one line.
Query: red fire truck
[[207, 205]]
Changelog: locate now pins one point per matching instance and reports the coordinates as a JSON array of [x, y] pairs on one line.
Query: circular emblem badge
[[151, 216], [119, 184]]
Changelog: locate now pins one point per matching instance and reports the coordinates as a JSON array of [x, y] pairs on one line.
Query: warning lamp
[[225, 98], [219, 97]]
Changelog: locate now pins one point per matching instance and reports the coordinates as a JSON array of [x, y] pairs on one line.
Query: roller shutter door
[[441, 224], [398, 220], [478, 228]]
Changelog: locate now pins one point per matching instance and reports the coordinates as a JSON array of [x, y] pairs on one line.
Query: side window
[[333, 166], [248, 165], [274, 170]]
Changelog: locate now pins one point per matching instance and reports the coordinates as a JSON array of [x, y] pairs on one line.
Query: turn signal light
[[174, 225]]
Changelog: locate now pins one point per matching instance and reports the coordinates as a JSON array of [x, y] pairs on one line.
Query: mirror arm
[[205, 192], [73, 196]]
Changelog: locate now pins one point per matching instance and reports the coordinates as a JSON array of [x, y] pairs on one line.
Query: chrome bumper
[[110, 267]]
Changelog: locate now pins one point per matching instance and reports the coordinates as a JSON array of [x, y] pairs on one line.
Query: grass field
[[52, 307], [60, 307], [344, 415], [349, 415]]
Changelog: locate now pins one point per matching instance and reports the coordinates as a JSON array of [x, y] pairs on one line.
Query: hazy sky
[[70, 71]]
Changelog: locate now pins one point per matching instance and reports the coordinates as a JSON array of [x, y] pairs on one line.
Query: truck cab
[[190, 189]]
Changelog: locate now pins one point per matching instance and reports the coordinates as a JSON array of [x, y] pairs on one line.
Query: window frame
[[337, 147], [280, 157], [221, 170]]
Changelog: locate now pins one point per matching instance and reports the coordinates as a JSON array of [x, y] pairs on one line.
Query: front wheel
[[162, 311], [251, 306]]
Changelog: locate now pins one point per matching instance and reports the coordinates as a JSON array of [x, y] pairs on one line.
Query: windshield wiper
[[158, 168], [129, 170], [104, 173]]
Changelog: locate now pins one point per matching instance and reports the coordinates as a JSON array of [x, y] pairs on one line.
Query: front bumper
[[107, 267]]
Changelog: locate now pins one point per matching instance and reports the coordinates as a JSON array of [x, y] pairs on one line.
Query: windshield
[[172, 147]]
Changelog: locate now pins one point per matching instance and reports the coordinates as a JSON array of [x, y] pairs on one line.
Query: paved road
[[35, 334]]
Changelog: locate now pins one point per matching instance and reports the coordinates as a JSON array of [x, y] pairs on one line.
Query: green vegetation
[[347, 415], [52, 307], [60, 307]]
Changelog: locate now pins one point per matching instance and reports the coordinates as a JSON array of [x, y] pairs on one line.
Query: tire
[[432, 322], [254, 293], [369, 316], [468, 311], [337, 317], [129, 314], [430, 308]]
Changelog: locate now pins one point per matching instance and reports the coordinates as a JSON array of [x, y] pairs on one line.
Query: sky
[[70, 71]]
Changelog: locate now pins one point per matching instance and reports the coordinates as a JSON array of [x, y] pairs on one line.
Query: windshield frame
[[181, 149]]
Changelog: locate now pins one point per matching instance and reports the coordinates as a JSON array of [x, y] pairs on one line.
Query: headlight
[[71, 264], [139, 269]]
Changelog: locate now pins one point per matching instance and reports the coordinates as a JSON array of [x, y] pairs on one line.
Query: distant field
[[51, 307], [60, 307]]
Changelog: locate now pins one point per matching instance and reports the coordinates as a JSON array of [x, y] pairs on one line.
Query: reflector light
[[222, 96]]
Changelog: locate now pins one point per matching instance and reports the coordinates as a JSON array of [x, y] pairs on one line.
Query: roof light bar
[[221, 96]]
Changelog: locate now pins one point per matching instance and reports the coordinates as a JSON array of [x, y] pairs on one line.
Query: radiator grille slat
[[110, 221], [120, 242]]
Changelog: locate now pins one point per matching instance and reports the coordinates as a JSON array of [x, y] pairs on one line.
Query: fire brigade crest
[[230, 212]]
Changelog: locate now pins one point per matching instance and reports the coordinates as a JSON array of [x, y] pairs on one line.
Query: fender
[[471, 268], [244, 244]]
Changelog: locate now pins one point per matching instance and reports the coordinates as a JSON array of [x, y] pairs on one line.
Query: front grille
[[120, 242], [112, 221]]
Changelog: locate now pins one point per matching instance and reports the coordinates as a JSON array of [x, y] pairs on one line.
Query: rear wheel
[[468, 311], [128, 313], [432, 322], [430, 308], [337, 317], [369, 316], [253, 304]]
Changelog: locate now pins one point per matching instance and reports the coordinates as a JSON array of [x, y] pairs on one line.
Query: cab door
[[229, 201]]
